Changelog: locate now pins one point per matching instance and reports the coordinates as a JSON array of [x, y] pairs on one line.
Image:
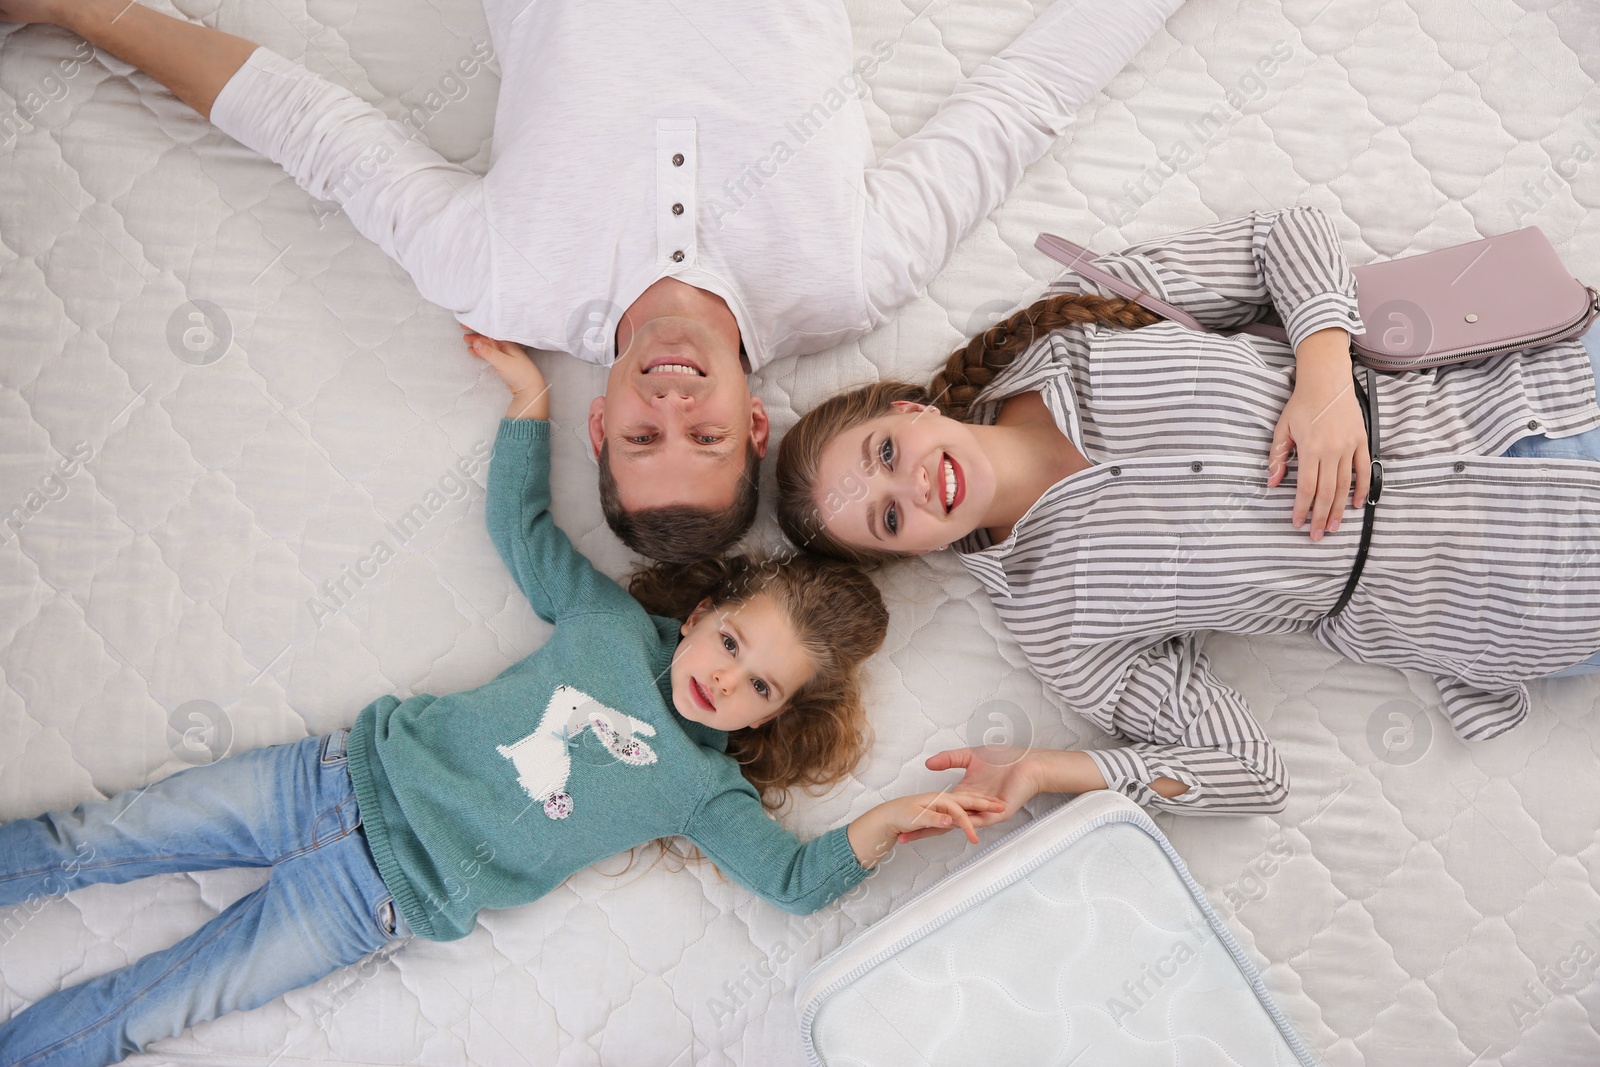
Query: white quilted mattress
[[1079, 933], [1439, 906]]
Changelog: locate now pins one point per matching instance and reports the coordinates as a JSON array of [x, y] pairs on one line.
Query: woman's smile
[[955, 485]]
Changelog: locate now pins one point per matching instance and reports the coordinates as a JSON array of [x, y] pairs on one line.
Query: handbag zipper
[[1480, 353]]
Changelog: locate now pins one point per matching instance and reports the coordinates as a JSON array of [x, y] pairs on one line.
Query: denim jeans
[[1579, 446], [289, 807]]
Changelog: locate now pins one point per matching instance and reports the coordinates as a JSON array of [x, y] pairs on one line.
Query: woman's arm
[[1322, 425], [1016, 775], [1196, 747], [1232, 273]]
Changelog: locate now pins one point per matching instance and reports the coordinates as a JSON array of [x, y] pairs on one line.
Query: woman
[[1110, 486]]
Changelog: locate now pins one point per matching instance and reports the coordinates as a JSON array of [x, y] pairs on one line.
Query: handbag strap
[[1368, 398], [1080, 260]]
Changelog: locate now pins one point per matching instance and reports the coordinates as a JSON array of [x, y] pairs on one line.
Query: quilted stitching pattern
[[1440, 911]]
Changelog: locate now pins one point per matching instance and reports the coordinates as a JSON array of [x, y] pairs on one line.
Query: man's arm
[[425, 212], [927, 192], [193, 61]]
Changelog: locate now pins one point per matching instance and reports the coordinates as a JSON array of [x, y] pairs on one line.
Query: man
[[682, 192]]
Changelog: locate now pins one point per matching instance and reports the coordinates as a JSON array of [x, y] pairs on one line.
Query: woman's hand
[[1007, 772], [530, 396], [1322, 423], [875, 833]]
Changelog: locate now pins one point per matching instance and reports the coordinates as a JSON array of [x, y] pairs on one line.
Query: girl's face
[[737, 666], [911, 481]]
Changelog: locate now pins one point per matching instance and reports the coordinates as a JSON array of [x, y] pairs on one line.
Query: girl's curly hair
[[840, 620]]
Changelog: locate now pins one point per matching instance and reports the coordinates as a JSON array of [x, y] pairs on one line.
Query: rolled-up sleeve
[[421, 209], [1188, 726], [1231, 273], [927, 192]]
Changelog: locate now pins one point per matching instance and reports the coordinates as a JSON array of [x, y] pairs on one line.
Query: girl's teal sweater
[[492, 797]]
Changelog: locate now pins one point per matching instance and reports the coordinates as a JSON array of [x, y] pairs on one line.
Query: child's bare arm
[[530, 396]]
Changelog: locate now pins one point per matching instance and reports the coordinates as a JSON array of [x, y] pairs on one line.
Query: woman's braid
[[973, 366]]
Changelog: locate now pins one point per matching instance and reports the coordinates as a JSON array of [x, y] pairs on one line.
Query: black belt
[[1369, 415]]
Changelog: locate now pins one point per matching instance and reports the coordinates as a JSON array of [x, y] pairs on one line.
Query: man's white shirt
[[721, 143]]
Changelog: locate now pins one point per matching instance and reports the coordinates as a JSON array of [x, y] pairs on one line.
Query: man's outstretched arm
[[422, 210], [193, 61], [927, 192]]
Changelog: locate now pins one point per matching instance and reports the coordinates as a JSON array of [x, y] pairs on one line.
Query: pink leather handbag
[[1500, 294]]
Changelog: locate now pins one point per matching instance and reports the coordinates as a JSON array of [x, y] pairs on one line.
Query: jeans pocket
[[333, 747], [390, 924]]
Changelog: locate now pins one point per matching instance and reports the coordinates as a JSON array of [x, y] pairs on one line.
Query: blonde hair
[[965, 374]]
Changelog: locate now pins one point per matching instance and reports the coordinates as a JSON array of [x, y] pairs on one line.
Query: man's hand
[[530, 396], [1322, 424], [30, 11]]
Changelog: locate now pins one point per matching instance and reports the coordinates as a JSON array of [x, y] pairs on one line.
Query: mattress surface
[[190, 520], [1079, 937]]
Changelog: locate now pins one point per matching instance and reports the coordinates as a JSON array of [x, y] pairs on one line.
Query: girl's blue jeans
[[291, 808], [1579, 446]]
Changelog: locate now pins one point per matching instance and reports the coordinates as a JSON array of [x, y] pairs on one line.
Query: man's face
[[677, 411]]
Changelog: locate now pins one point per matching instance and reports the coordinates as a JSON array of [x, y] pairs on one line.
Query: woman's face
[[911, 481]]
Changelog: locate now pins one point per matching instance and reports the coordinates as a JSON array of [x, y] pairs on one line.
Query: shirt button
[[1533, 424], [1196, 466], [677, 160], [677, 209], [677, 257], [1115, 471], [1460, 467]]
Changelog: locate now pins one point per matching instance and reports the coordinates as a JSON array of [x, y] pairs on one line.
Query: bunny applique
[[543, 758]]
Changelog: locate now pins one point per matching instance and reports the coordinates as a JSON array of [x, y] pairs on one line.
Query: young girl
[[623, 728], [1110, 487]]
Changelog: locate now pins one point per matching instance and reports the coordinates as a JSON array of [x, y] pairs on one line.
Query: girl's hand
[[1322, 423], [529, 394], [875, 833], [1006, 772]]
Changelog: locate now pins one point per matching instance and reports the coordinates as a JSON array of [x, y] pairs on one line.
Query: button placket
[[676, 173]]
